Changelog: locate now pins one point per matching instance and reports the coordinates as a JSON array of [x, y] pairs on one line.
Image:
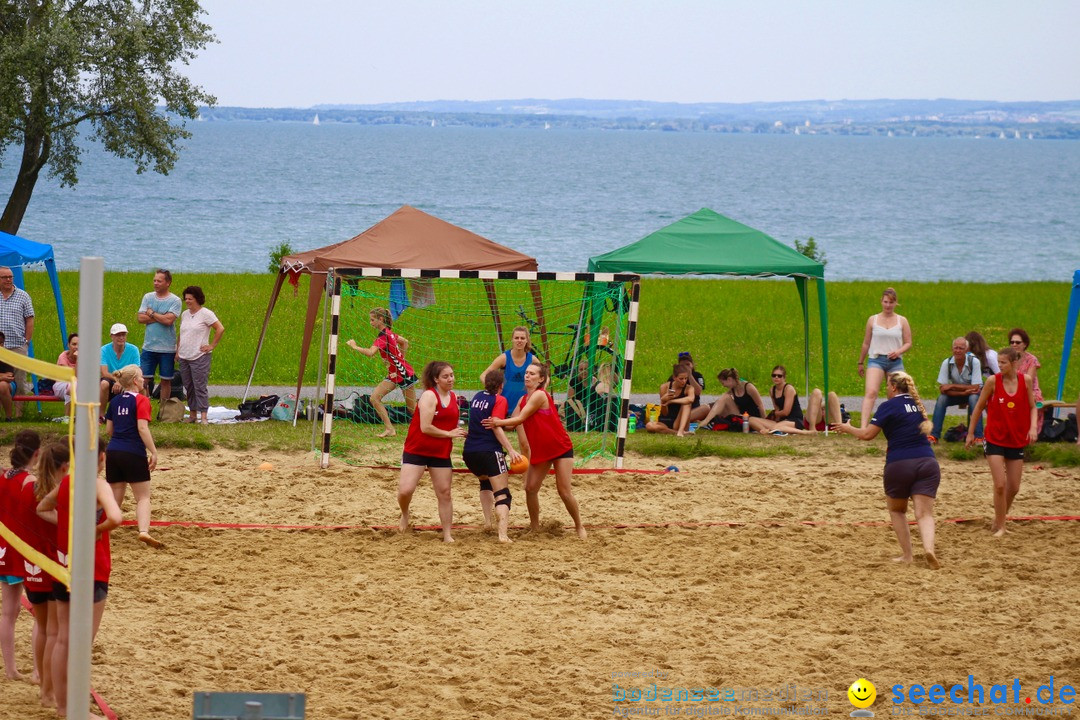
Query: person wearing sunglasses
[[1028, 366]]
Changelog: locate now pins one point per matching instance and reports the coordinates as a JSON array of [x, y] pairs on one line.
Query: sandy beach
[[710, 577]]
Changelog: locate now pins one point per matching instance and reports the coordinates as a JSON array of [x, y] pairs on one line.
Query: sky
[[284, 53]]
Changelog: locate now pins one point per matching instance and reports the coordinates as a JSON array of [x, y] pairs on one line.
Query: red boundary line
[[576, 471], [616, 526], [102, 705]]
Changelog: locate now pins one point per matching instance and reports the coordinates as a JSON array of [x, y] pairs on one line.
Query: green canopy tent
[[707, 243]]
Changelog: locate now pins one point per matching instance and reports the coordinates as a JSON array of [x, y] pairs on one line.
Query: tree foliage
[[812, 250], [282, 249], [109, 69]]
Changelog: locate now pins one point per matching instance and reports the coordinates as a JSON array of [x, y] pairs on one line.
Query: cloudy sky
[[284, 53]]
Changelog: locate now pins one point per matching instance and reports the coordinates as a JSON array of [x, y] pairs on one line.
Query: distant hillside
[[933, 118], [816, 111]]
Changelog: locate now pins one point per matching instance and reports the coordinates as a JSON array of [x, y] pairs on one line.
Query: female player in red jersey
[[391, 348], [545, 442], [108, 516], [12, 571], [1011, 425], [429, 442]]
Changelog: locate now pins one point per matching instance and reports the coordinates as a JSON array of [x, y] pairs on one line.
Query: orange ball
[[520, 466]]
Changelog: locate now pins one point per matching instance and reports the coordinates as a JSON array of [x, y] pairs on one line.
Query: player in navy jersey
[[488, 453], [127, 422]]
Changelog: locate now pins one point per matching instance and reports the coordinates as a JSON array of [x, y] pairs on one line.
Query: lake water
[[883, 208]]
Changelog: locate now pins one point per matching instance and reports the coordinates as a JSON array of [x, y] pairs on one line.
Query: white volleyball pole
[[84, 507]]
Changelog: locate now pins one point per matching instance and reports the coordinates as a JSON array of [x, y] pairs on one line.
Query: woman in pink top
[[1028, 366], [193, 352], [68, 358]]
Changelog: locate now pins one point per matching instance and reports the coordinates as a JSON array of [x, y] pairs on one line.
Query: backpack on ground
[[256, 409], [171, 411]]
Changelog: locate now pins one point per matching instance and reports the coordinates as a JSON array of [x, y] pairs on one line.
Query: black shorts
[[485, 463], [404, 383], [1007, 452], [408, 458], [37, 598], [568, 454], [914, 476], [667, 420], [125, 467], [60, 592]]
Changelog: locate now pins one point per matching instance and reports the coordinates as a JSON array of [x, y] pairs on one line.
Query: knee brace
[[503, 497], [485, 484]]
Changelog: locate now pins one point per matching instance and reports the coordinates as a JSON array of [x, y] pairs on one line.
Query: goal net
[[581, 324]]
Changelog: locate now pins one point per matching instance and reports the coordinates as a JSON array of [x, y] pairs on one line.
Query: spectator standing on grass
[[960, 381], [16, 322], [115, 355], [887, 338], [158, 312], [195, 350], [68, 358]]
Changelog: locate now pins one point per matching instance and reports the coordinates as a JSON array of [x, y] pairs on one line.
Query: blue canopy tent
[[1070, 328], [15, 252]]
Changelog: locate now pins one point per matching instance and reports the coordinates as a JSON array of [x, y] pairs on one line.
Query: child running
[[484, 451], [391, 348], [127, 422], [546, 443], [1009, 401]]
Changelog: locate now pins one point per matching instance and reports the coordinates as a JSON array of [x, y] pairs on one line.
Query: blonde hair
[[889, 292], [126, 375], [906, 384], [382, 315]]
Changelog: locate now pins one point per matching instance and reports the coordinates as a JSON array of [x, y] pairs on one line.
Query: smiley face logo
[[862, 693]]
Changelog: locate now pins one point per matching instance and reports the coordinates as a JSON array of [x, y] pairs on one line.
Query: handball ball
[[520, 466], [267, 466], [672, 468]]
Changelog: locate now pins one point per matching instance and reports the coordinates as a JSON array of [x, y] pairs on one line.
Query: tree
[[100, 67], [811, 250]]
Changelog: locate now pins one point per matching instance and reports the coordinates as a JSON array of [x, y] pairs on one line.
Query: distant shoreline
[[898, 118]]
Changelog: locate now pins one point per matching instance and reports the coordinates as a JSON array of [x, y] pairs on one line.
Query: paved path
[[851, 403]]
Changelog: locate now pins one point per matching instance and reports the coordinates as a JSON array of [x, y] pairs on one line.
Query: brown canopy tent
[[408, 238]]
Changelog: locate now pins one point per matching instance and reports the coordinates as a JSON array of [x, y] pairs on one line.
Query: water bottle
[[746, 422], [633, 422]]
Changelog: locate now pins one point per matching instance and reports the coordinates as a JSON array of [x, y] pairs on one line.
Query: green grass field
[[748, 324]]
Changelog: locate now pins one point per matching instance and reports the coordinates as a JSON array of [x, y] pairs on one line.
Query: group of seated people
[[681, 403]]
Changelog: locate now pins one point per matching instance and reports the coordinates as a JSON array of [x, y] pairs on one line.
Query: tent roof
[[708, 243], [410, 238], [15, 250]]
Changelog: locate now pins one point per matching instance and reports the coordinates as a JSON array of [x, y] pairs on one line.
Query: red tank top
[[39, 534], [446, 418], [1008, 417], [547, 436], [10, 487], [102, 556]]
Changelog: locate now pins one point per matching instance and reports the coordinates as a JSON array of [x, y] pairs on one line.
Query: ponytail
[[904, 383]]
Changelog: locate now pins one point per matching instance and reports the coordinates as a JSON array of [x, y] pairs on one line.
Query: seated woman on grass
[[676, 400], [744, 399]]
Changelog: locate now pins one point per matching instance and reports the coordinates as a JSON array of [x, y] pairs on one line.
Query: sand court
[[372, 623]]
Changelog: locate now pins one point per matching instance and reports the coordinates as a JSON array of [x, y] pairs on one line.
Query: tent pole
[[493, 303], [262, 335], [1070, 328], [315, 289]]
